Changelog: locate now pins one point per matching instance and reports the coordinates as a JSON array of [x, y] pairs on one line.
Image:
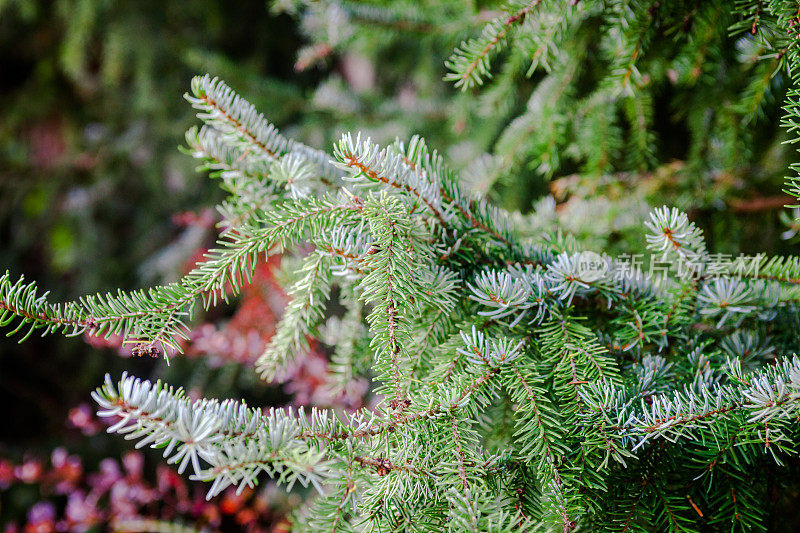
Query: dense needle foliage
[[521, 378]]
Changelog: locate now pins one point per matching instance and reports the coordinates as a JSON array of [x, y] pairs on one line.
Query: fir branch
[[236, 441], [242, 126], [470, 62], [365, 159], [390, 285], [304, 312], [476, 213], [768, 396]]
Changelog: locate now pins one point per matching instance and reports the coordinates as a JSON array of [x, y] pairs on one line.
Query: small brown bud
[[383, 467]]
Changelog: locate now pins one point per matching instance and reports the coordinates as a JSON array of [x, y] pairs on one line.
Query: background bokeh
[[91, 179], [90, 171]]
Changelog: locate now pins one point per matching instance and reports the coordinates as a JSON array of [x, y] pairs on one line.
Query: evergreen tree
[[522, 379]]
